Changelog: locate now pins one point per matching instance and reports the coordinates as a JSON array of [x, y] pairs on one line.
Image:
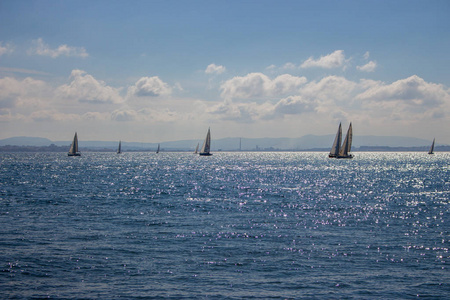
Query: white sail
[[119, 149], [73, 151], [206, 148], [337, 142], [347, 145], [196, 148], [432, 148]]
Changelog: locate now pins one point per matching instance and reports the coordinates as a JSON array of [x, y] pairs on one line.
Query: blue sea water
[[230, 226]]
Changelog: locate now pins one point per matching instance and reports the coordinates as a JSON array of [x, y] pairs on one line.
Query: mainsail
[[432, 148], [347, 145], [337, 142], [119, 149], [73, 151], [206, 148], [157, 150], [196, 148]]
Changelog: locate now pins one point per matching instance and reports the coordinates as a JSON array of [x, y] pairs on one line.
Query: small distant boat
[[196, 149], [432, 147], [337, 143], [119, 149], [73, 151], [157, 150], [344, 152], [206, 148]]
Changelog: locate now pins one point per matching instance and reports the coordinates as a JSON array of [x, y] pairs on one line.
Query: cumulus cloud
[[294, 105], [41, 48], [413, 90], [369, 67], [85, 88], [333, 60], [149, 87], [214, 69], [26, 92], [6, 49], [256, 85]]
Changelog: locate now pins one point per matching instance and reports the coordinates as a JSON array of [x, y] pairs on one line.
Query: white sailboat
[[73, 151], [119, 149], [344, 152], [206, 148], [432, 147], [337, 142], [157, 150], [196, 148]]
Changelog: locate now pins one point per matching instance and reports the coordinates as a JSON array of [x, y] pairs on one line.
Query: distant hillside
[[307, 142]]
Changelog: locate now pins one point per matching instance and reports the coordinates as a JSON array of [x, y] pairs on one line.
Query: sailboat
[[347, 144], [196, 148], [206, 148], [432, 147], [119, 149], [157, 150], [337, 142], [73, 151]]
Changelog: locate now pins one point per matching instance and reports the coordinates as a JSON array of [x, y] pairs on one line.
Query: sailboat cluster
[[342, 151], [338, 150]]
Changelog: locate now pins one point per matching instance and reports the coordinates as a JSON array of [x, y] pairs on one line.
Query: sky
[[155, 71]]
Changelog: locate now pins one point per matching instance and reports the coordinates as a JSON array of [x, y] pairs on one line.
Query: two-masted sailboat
[[206, 148], [73, 151], [432, 147], [342, 151]]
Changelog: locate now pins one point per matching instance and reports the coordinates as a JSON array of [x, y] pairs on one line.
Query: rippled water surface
[[233, 225]]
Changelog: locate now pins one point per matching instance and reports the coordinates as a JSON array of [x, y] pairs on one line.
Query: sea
[[235, 225]]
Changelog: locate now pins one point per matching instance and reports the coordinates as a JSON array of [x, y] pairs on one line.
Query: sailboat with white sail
[[342, 151], [206, 148], [432, 147], [196, 148], [73, 151], [119, 149], [337, 143]]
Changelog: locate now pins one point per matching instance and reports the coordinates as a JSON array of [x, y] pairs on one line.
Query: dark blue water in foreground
[[234, 225]]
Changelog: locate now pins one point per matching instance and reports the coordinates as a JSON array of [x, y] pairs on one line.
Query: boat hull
[[205, 154], [73, 154], [345, 157]]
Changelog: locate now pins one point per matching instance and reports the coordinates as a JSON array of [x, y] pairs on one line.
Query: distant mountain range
[[307, 142]]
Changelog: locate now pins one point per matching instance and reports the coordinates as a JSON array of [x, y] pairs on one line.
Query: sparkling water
[[232, 225]]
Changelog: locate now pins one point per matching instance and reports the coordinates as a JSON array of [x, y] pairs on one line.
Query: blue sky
[[156, 71]]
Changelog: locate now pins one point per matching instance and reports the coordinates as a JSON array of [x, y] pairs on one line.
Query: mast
[[337, 142]]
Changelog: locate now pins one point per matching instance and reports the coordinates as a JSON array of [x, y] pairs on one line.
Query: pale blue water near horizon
[[230, 226]]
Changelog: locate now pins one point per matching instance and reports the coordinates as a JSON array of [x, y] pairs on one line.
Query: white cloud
[[256, 85], [53, 115], [214, 69], [26, 92], [289, 66], [149, 87], [413, 90], [369, 67], [6, 49], [85, 88], [367, 55], [333, 60], [294, 105], [41, 48]]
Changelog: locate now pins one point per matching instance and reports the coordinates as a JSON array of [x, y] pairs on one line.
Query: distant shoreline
[[54, 148]]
